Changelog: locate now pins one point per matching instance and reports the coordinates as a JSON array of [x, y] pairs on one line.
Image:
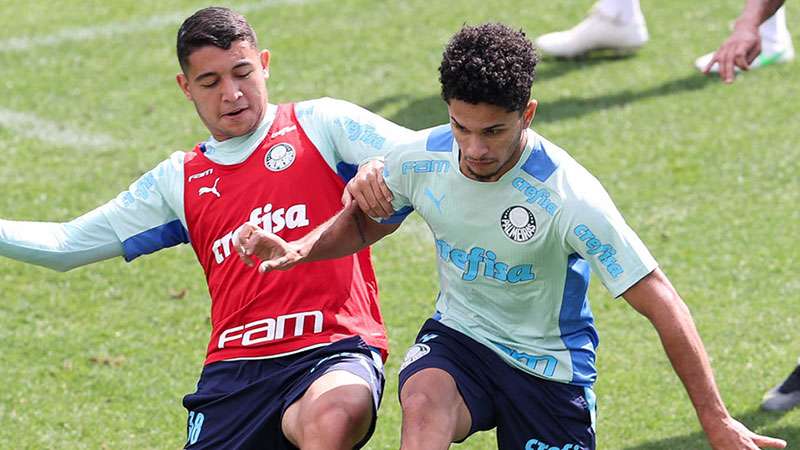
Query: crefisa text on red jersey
[[271, 220]]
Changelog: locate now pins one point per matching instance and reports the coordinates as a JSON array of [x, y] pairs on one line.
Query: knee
[[419, 406], [441, 412], [341, 424], [342, 415]]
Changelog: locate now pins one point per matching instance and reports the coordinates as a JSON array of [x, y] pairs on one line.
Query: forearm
[[688, 357], [344, 234], [60, 246], [756, 12], [655, 298]]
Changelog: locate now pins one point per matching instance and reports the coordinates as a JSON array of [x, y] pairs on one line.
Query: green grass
[[706, 174]]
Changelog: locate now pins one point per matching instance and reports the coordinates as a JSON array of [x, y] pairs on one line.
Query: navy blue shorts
[[530, 413], [240, 404]]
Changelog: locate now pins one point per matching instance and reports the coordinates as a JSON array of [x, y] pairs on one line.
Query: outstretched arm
[[744, 43], [60, 246], [655, 298], [344, 234]]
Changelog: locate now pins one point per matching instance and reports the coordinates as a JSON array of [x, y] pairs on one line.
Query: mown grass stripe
[[32, 126], [121, 28]]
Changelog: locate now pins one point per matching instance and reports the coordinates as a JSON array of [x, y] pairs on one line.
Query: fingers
[[714, 60], [738, 51], [384, 194], [240, 238], [365, 198], [768, 442], [741, 62], [369, 190], [282, 263], [347, 197], [379, 189], [753, 52], [726, 66]]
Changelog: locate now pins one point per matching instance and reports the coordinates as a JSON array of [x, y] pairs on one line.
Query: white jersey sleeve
[[347, 135], [147, 217], [591, 226], [60, 246]]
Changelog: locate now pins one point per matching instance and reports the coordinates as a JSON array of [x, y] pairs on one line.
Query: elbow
[[63, 267], [58, 265]]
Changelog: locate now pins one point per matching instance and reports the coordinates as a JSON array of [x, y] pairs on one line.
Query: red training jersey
[[286, 187]]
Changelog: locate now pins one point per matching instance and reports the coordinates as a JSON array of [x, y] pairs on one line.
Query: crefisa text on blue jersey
[[595, 247], [535, 444], [540, 196], [471, 261]]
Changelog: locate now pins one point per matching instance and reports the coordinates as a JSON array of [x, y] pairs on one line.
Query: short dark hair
[[489, 63], [215, 26]]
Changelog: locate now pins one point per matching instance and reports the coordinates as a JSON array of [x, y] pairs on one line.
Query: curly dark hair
[[215, 26], [489, 63]]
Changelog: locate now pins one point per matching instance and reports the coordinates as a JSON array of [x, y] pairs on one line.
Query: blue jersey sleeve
[[150, 215]]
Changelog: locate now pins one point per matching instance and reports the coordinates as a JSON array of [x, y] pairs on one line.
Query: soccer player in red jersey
[[296, 358]]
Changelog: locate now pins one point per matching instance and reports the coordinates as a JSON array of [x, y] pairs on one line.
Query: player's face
[[490, 139], [228, 87]]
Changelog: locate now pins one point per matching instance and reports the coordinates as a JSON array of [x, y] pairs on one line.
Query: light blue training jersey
[[514, 255]]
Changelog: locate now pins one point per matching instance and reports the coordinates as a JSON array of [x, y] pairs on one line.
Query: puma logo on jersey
[[200, 175], [282, 131], [437, 202], [211, 190]]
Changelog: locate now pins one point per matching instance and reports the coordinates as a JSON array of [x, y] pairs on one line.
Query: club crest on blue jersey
[[414, 353], [279, 157], [518, 223]]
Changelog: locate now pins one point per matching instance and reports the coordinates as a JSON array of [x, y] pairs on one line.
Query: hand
[[739, 50], [369, 189], [274, 252], [730, 434]]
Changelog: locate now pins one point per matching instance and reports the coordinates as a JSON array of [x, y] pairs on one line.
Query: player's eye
[[244, 75], [209, 84]]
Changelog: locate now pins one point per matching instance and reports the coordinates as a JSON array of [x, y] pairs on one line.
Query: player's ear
[[183, 83], [264, 56], [529, 112]]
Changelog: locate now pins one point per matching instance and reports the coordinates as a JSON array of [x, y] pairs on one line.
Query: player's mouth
[[236, 113], [479, 163]]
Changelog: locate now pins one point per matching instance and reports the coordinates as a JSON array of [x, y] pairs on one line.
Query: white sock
[[625, 11], [775, 35]]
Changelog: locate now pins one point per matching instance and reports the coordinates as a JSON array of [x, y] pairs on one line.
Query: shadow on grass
[[550, 68], [755, 419], [573, 107], [429, 111]]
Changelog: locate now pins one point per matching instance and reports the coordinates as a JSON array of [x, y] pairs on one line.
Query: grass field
[[100, 357]]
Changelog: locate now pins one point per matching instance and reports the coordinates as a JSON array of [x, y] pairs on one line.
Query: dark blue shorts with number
[[530, 413], [239, 404]]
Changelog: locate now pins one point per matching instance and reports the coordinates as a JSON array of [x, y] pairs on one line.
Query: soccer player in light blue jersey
[[518, 226]]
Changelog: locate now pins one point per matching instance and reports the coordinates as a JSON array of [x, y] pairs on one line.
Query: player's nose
[[475, 147], [230, 90]]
